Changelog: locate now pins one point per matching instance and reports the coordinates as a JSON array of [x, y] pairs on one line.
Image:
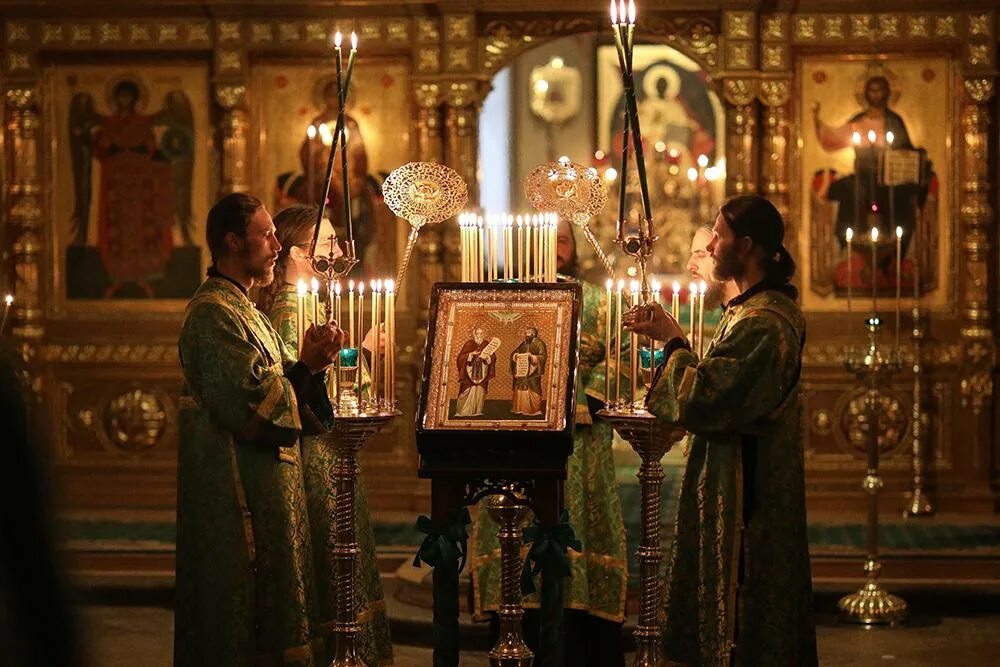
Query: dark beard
[[727, 267]]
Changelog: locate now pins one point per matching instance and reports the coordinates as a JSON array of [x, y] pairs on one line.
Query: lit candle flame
[[337, 40], [677, 287], [856, 138], [621, 11], [692, 288], [621, 285], [872, 136], [336, 288], [301, 288], [390, 286], [849, 234], [311, 132], [899, 232], [614, 13], [692, 174], [631, 12], [702, 287], [609, 284], [702, 161], [8, 300], [314, 284], [361, 287], [874, 234], [354, 41], [889, 137], [350, 285]]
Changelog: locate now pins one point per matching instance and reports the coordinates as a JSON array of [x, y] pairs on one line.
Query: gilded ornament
[[979, 25], [861, 26], [17, 32], [739, 25], [81, 33], [17, 62], [980, 90], [427, 31], [110, 32], [428, 95], [229, 31], [398, 31], [821, 422], [774, 93], [133, 422], [197, 32], [261, 32], [460, 94], [288, 32], [738, 56], [738, 92], [52, 32], [918, 26], [316, 32], [428, 59], [979, 54], [773, 56], [977, 390], [888, 25], [833, 27], [977, 352], [141, 354], [370, 30], [855, 421], [459, 58], [805, 27], [229, 61], [944, 26], [169, 32], [774, 26], [138, 32], [458, 28], [230, 97]]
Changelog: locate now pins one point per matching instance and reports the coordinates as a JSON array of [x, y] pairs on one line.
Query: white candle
[[692, 302], [633, 368], [360, 335], [314, 288], [899, 274], [300, 312], [675, 300], [701, 317], [521, 273], [618, 340], [376, 297], [609, 307], [849, 235], [350, 313], [390, 347], [874, 237]]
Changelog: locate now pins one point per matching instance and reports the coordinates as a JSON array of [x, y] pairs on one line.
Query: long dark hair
[[293, 227], [756, 218]]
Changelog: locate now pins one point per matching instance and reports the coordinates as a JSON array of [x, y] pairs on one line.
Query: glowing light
[[889, 137], [556, 62], [849, 234], [872, 136], [660, 146], [702, 161], [541, 86], [610, 174], [599, 155], [692, 174], [874, 234], [899, 232], [856, 138], [338, 39], [311, 132]]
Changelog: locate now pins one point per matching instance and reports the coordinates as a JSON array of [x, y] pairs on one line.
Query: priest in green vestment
[[246, 591], [739, 589], [279, 301], [595, 591]]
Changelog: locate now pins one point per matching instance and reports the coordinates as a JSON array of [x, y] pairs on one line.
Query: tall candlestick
[[508, 250], [701, 318], [465, 246], [520, 249], [856, 140], [480, 248], [310, 176], [874, 237], [633, 369], [8, 301], [618, 340], [899, 275], [390, 347], [675, 301], [692, 302], [609, 307], [376, 297], [553, 244], [849, 235], [360, 336], [350, 314], [342, 100], [300, 312]]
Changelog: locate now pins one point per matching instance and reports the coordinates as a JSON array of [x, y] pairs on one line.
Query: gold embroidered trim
[[241, 499]]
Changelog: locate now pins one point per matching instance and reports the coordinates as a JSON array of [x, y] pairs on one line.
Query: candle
[[463, 244], [899, 274], [656, 291], [701, 317], [336, 294], [849, 235], [618, 340], [314, 288], [609, 307], [553, 243], [360, 336], [887, 169], [520, 250], [856, 140], [310, 175], [350, 313], [675, 301], [508, 250], [336, 361], [874, 237], [300, 312], [872, 138], [8, 301], [633, 368], [376, 296], [390, 347], [692, 300], [478, 237]]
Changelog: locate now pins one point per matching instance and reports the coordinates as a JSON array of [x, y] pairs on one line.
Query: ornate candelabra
[[871, 604], [651, 440], [572, 190], [423, 193], [921, 503], [510, 650]]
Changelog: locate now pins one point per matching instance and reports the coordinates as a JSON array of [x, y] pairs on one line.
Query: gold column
[[234, 128], [741, 129], [24, 208], [430, 148], [774, 94], [462, 101]]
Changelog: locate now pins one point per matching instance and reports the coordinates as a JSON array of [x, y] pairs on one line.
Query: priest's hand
[[651, 320], [320, 346]]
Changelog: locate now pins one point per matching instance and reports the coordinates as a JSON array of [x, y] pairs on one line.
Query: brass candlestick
[[423, 193], [347, 437], [510, 650], [651, 440], [921, 503], [573, 191], [871, 604]]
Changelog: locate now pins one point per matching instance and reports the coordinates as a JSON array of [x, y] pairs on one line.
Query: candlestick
[[463, 232], [849, 235], [310, 176], [390, 348], [361, 319], [609, 307], [520, 250], [478, 237], [618, 341], [856, 140], [350, 314], [8, 301], [300, 312], [633, 369], [376, 297], [899, 274], [874, 237], [675, 301], [692, 300], [508, 250], [701, 317]]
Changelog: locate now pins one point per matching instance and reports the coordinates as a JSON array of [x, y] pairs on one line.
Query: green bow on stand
[[448, 545], [547, 555]]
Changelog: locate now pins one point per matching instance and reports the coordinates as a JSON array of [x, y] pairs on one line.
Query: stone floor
[[954, 633]]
